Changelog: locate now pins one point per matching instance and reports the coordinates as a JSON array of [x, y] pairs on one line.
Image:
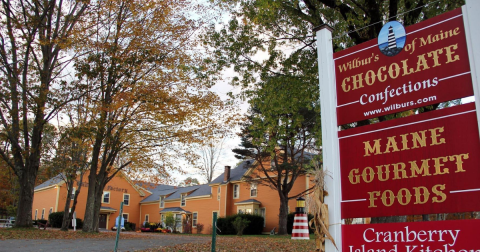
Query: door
[[102, 221], [178, 223]]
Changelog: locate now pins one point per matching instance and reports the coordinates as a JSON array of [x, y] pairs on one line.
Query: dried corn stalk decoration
[[319, 210]]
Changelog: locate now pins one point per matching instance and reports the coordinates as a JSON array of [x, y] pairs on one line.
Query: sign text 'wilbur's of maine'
[[422, 164], [431, 67], [432, 236]]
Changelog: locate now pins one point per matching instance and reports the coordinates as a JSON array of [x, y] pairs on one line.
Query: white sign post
[[330, 146], [74, 221], [471, 20]]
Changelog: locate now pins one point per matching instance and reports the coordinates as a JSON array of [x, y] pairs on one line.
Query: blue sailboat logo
[[391, 38]]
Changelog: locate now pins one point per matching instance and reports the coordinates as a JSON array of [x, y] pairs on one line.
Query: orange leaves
[[246, 243]]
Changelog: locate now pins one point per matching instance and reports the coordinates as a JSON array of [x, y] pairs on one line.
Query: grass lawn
[[247, 243]]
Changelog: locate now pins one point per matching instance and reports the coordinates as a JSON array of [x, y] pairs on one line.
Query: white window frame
[[103, 197], [36, 214], [125, 219], [183, 200], [147, 217], [50, 211], [253, 188], [126, 194], [73, 194], [43, 214], [218, 193], [194, 220], [236, 190], [162, 201]]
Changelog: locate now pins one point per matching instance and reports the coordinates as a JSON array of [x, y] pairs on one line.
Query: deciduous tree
[[144, 102], [281, 135], [34, 37], [270, 38], [210, 153]]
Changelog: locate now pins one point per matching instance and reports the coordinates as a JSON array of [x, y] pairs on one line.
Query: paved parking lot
[[85, 245]]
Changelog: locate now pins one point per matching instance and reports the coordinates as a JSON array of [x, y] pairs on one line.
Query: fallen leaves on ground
[[245, 243], [34, 233]]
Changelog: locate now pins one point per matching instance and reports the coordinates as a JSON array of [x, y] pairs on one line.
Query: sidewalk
[[145, 241]]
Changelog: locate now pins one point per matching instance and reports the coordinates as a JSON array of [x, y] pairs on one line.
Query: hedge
[[55, 219], [290, 218], [129, 226], [226, 224]]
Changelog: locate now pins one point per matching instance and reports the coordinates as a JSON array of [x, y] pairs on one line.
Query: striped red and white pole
[[300, 227], [300, 222]]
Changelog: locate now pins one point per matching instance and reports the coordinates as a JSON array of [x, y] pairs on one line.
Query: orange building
[[228, 194], [51, 196]]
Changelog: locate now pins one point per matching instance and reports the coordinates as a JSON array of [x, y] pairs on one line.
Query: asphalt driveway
[[87, 245]]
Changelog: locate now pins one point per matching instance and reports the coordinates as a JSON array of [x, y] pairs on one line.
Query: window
[[248, 211], [218, 193], [126, 199], [236, 191], [162, 201], [182, 198], [240, 211], [255, 211], [125, 218], [50, 211], [106, 197], [194, 219], [253, 190], [43, 214], [73, 194], [146, 217], [36, 213]]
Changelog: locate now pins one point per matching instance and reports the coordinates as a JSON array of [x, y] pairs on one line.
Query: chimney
[[226, 174]]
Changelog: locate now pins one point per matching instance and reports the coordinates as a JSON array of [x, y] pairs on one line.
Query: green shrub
[[129, 226], [240, 224], [55, 219], [290, 219], [254, 227], [169, 220]]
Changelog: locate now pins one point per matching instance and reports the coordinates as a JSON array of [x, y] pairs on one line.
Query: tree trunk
[[66, 212], [25, 199], [98, 205], [89, 221], [282, 215]]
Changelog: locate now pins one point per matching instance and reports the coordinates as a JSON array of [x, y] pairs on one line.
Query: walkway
[[145, 241]]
